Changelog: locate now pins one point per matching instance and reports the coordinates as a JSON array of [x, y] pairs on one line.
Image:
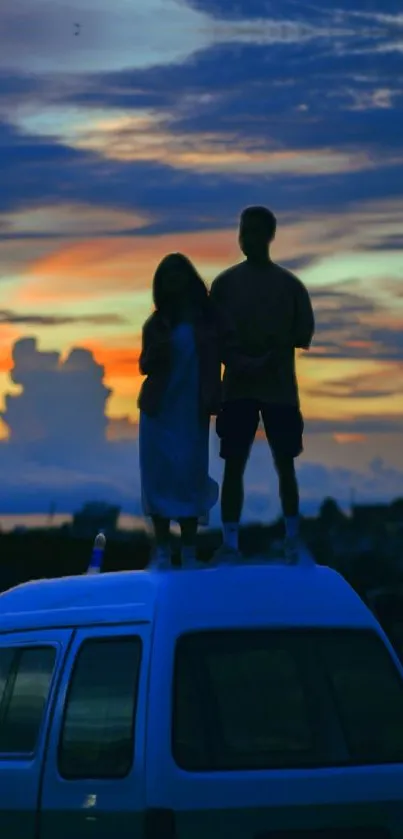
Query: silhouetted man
[[271, 312]]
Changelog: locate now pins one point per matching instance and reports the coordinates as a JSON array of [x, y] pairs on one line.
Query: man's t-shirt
[[270, 309]]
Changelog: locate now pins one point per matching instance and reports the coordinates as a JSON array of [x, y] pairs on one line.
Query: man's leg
[[289, 494], [289, 497], [232, 498], [284, 430], [236, 426]]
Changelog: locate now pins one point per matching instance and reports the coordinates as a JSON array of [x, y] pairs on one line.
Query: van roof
[[252, 593]]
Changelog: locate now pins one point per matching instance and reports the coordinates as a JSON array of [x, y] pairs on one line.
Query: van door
[[30, 666], [94, 773], [277, 733]]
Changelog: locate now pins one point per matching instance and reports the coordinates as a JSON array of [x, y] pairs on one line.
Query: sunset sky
[[149, 132]]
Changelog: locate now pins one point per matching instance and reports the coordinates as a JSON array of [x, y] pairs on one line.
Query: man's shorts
[[237, 424]]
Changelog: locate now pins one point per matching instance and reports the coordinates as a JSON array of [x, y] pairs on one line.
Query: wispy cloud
[[378, 384], [41, 37], [150, 138], [21, 319], [68, 220]]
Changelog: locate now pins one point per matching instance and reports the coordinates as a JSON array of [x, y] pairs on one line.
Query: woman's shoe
[[189, 558]]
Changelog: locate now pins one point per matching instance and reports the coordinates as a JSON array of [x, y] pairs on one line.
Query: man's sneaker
[[292, 549], [225, 555], [192, 564]]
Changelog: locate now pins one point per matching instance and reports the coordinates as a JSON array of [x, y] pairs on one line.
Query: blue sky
[[149, 131]]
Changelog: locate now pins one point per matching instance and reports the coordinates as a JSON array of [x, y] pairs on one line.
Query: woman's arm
[[155, 351]]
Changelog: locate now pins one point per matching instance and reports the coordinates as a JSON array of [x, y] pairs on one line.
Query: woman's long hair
[[177, 266]]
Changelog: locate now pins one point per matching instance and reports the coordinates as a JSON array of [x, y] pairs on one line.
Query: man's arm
[[304, 319], [230, 351]]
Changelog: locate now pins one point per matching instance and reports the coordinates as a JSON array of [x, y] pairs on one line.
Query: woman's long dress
[[174, 445]]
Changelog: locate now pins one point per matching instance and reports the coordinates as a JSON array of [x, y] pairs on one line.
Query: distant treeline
[[58, 553]]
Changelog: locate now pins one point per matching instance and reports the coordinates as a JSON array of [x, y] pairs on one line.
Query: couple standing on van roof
[[253, 319]]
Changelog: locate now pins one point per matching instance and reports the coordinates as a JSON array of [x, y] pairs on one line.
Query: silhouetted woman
[[181, 360]]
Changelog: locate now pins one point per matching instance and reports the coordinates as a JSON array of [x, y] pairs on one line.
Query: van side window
[[97, 737], [6, 658], [25, 698], [263, 699], [252, 702], [368, 691]]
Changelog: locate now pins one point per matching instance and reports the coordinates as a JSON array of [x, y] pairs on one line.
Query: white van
[[256, 701]]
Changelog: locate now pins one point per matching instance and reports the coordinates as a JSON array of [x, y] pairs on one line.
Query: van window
[[6, 658], [282, 699], [97, 737], [25, 698], [248, 689], [368, 691]]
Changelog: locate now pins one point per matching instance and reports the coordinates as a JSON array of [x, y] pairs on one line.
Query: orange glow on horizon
[[345, 439], [91, 269], [120, 359]]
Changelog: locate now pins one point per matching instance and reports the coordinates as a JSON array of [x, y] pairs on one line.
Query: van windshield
[[266, 699]]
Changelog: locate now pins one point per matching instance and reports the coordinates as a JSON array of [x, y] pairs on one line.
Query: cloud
[[345, 439], [363, 424], [63, 444], [111, 477], [374, 485], [40, 38], [71, 221], [150, 138], [236, 74], [43, 172], [8, 316], [95, 268], [122, 428], [62, 402], [378, 384], [235, 9], [59, 435], [320, 244], [352, 324], [38, 170]]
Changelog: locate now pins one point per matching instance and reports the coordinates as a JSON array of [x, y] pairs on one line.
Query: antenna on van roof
[[97, 555]]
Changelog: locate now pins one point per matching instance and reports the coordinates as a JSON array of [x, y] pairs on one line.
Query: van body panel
[[119, 597], [239, 595], [256, 803], [96, 807], [321, 821], [92, 590], [20, 775], [73, 617], [159, 607], [253, 596]]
